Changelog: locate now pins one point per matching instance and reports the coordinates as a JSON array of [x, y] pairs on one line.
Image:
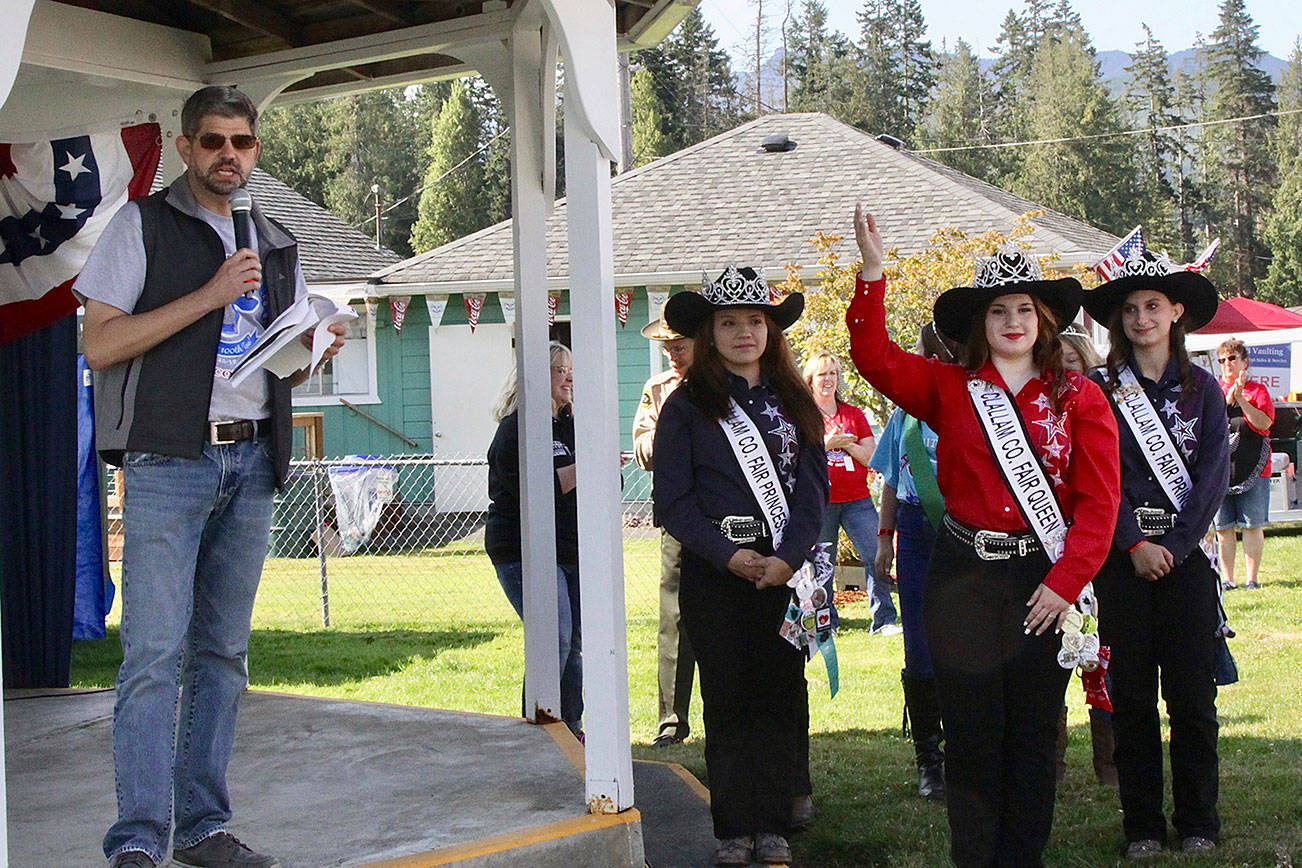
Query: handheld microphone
[[242, 214]]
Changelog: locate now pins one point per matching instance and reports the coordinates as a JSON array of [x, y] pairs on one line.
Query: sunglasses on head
[[217, 141], [1232, 357]]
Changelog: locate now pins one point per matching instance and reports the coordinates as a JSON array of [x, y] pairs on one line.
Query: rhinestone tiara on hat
[[1005, 267], [734, 288], [1141, 263]]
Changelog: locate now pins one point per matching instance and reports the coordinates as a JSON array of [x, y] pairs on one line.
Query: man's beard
[[220, 186]]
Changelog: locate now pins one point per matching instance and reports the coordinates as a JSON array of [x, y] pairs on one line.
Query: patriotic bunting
[[56, 196]]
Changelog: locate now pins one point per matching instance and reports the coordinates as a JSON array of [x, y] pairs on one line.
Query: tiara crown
[[735, 288], [1008, 265], [1141, 263]]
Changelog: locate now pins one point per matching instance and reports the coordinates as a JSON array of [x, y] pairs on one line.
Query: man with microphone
[[173, 301]]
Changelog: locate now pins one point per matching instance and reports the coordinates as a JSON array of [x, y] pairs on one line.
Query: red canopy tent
[[1241, 314]]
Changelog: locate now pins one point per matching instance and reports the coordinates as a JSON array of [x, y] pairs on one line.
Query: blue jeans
[[914, 542], [195, 535], [859, 518], [511, 577]]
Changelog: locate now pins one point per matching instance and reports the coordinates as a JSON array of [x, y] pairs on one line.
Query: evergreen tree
[[962, 113], [1150, 102], [1240, 163], [650, 139], [1283, 230], [1086, 179], [453, 202], [1193, 203], [896, 68], [294, 148], [705, 98], [816, 63], [368, 138]]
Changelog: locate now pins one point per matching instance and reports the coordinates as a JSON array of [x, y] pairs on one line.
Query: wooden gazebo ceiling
[[239, 29]]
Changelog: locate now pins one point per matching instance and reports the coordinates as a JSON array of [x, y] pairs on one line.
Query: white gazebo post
[[532, 98], [587, 34]]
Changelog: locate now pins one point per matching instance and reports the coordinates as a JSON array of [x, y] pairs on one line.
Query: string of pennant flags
[[474, 304]]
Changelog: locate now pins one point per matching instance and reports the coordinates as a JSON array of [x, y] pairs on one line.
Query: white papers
[[280, 351]]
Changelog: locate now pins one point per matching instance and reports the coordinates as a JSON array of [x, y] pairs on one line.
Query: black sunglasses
[[1232, 357], [217, 141]]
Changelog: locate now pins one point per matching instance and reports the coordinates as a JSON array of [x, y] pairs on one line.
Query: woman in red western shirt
[[1247, 503], [995, 595]]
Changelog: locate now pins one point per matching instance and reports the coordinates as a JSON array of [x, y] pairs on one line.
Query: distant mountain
[[1113, 65]]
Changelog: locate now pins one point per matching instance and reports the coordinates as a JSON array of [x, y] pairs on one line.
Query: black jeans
[[1000, 695], [1164, 629], [754, 696]]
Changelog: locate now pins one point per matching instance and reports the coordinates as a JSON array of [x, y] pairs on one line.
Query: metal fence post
[[317, 472]]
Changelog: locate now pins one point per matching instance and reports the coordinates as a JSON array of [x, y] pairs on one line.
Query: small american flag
[[1205, 258], [1109, 267]]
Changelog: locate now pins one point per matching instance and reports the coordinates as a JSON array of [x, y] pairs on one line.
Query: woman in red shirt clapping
[[1027, 462]]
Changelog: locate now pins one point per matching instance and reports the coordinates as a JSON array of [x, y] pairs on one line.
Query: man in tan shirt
[[677, 663]]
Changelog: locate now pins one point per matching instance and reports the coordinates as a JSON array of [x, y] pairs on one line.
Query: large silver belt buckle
[[212, 434], [1151, 520], [979, 540], [726, 523]]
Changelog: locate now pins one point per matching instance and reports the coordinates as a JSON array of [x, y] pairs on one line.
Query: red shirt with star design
[[1077, 447]]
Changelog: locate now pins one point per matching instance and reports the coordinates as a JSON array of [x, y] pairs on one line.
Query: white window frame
[[371, 397]]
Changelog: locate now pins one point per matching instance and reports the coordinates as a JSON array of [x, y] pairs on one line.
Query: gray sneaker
[[132, 859], [222, 850]]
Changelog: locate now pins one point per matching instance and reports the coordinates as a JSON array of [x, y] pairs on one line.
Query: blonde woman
[[848, 441], [502, 529]]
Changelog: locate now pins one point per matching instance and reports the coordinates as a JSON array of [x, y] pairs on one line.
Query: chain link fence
[[399, 540]]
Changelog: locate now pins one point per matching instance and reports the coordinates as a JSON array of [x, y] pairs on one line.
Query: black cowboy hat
[[1005, 273], [735, 288], [1143, 270]]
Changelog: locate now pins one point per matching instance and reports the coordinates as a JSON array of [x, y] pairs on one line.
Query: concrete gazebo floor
[[322, 782]]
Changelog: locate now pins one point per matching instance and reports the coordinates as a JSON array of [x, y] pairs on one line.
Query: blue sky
[[1113, 24]]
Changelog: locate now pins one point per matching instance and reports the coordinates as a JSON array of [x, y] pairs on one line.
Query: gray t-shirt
[[114, 274]]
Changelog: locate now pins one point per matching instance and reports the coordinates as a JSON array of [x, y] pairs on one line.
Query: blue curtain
[[94, 595], [38, 504]]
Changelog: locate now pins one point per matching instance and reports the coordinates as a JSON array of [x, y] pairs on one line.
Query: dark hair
[[707, 379], [1121, 349], [1046, 352], [217, 99]]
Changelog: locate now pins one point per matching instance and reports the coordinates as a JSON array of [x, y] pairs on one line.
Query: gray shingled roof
[[723, 201], [330, 250]]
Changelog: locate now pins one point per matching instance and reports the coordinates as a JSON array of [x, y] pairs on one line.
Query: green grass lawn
[[437, 631]]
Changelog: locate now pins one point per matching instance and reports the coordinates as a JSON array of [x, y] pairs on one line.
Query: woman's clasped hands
[[764, 572]]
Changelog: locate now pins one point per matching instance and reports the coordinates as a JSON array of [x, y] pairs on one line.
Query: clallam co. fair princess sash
[[757, 466], [1010, 443], [1154, 439]]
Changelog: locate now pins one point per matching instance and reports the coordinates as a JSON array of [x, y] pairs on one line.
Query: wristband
[[1135, 546], [885, 531]]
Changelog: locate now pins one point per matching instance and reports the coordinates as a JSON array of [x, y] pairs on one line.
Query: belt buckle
[[979, 540], [216, 439], [726, 523], [1151, 520]]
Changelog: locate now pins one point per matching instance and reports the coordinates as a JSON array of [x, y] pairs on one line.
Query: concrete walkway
[[324, 782]]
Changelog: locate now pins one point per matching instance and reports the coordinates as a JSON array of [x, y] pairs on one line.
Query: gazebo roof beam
[[256, 17], [436, 37], [386, 9]]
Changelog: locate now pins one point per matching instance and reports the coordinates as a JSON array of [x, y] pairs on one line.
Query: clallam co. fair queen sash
[[757, 466], [1154, 439], [1010, 443]]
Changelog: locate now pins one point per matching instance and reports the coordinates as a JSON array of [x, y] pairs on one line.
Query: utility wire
[[420, 190], [1106, 135]]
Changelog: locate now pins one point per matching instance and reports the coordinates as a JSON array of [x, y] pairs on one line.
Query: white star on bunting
[[74, 166], [40, 239], [70, 212]]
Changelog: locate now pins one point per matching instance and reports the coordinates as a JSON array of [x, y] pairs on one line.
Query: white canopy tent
[[72, 64]]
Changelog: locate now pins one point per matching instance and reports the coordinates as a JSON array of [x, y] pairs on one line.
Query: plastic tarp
[[94, 592], [1240, 314]]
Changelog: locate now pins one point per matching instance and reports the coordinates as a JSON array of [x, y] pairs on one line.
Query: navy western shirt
[[1199, 427], [698, 478]]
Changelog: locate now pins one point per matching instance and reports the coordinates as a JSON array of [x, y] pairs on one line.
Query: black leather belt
[[993, 545], [742, 528], [220, 433], [1154, 521]]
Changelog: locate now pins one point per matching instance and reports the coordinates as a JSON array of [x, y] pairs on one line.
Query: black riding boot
[[922, 716]]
